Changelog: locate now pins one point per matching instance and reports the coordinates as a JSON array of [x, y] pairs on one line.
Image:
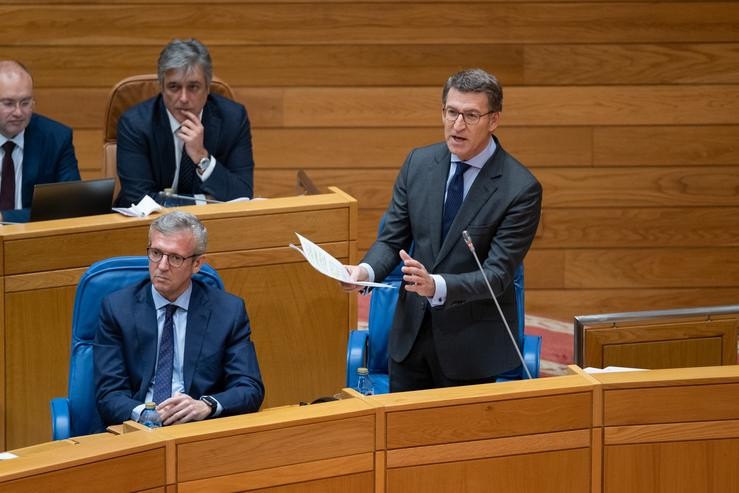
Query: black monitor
[[72, 199]]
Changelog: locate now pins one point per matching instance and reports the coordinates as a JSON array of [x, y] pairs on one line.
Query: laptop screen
[[72, 199]]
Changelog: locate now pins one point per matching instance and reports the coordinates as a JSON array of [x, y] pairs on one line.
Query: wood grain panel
[[566, 471], [676, 467], [670, 404], [276, 66], [667, 354], [640, 187], [589, 64], [407, 23], [627, 227], [564, 305], [352, 473], [684, 145], [523, 106], [310, 442], [278, 329], [483, 421], [127, 473], [700, 430], [388, 147], [656, 268], [30, 345]]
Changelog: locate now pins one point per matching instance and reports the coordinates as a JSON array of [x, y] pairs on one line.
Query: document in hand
[[327, 265]]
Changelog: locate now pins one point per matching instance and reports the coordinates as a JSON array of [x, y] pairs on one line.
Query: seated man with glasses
[[173, 340], [447, 330], [33, 149]]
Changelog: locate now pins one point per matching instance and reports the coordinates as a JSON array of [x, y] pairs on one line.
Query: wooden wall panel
[[626, 110]]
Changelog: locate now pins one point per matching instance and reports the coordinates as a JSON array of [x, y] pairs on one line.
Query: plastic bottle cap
[[362, 371], [151, 405]]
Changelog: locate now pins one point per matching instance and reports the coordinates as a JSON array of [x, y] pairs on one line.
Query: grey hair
[[185, 55], [476, 80], [178, 221]]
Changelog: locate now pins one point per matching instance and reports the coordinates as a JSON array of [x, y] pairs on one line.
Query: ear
[[494, 121], [197, 264]]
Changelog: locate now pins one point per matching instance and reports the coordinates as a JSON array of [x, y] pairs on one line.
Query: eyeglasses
[[469, 117], [11, 104], [155, 255]]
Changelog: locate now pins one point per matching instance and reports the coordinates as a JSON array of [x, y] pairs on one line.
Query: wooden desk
[[111, 463], [299, 318], [671, 431], [530, 435]]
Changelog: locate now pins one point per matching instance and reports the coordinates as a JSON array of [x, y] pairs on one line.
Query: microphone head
[[168, 192], [468, 240]]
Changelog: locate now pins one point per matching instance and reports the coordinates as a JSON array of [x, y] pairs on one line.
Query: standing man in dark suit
[[447, 330], [175, 341], [33, 149], [186, 139]]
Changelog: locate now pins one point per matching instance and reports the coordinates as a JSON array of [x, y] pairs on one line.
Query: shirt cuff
[[136, 413], [370, 271], [439, 297]]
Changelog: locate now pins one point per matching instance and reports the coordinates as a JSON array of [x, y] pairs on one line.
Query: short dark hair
[[476, 80], [184, 55]]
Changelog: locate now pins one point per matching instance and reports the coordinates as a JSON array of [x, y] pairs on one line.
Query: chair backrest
[[126, 93], [101, 279]]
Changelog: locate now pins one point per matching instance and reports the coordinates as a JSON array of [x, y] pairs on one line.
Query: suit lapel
[[164, 143], [438, 174], [483, 187], [32, 148], [198, 316], [145, 319]]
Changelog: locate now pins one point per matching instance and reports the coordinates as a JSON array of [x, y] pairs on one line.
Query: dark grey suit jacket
[[501, 213]]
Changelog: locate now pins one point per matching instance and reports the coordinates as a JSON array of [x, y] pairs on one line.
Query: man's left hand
[[181, 408], [416, 277], [192, 133]]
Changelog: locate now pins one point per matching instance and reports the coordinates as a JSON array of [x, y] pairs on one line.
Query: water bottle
[[150, 417], [364, 384]]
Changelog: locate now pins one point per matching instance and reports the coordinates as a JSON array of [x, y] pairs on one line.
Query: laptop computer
[[72, 199]]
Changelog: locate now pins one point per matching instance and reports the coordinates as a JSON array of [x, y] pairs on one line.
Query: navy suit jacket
[[501, 212], [48, 157], [220, 359], [145, 153]]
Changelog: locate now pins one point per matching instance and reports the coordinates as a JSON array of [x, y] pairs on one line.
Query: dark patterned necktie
[[187, 174], [7, 185], [454, 197], [165, 362]]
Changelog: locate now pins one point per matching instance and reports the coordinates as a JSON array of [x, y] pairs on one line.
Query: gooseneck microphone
[[167, 192], [468, 241]]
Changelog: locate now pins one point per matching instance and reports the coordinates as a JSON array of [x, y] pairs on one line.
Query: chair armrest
[[356, 355], [60, 425], [532, 353]]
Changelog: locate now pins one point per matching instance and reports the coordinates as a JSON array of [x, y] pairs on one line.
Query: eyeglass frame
[[444, 110], [176, 264]]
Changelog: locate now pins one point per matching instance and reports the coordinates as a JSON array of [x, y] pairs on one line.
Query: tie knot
[[171, 308], [9, 146], [461, 168]]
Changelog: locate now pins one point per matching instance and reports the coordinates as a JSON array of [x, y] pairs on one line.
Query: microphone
[[168, 193], [468, 241]]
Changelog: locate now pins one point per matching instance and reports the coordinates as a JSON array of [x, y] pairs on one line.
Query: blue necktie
[[163, 375], [454, 196], [186, 181]]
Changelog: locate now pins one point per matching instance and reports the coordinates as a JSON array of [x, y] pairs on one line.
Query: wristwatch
[[211, 402], [203, 164]]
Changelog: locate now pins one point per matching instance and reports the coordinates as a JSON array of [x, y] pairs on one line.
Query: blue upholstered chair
[[369, 347], [77, 414]]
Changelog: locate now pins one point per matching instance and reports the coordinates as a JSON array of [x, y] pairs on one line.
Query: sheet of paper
[[146, 206], [327, 265], [7, 455], [610, 369]]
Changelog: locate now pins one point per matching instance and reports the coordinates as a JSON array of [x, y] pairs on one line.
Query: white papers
[[146, 206], [327, 265], [7, 455]]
